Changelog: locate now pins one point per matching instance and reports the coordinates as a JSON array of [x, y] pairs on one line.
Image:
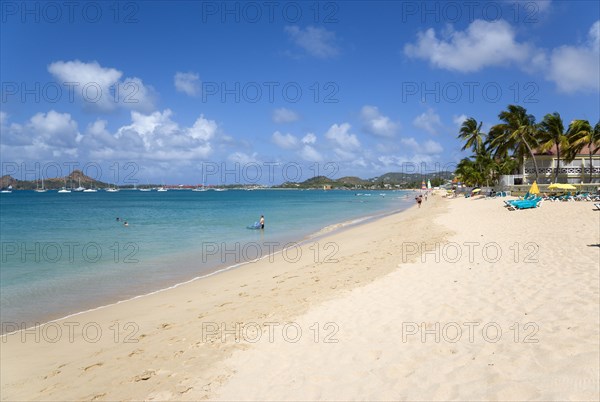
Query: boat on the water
[[41, 190], [79, 189]]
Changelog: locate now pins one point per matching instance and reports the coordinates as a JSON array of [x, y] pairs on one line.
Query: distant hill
[[353, 180], [388, 180], [72, 180], [404, 178]]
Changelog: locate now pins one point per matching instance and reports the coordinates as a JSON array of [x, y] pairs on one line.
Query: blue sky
[[188, 91]]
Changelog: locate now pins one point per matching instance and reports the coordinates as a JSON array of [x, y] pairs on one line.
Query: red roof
[[584, 151]]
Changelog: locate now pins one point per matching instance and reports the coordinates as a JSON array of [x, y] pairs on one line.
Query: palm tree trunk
[[557, 163], [532, 157], [591, 166]]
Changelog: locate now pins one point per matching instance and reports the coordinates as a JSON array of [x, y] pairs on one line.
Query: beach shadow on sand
[[593, 245]]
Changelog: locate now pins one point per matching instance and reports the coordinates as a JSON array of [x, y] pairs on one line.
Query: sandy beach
[[458, 300]]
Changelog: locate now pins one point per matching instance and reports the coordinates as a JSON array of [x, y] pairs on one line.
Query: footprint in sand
[[98, 396], [165, 326], [52, 374], [182, 389], [135, 352], [92, 366], [146, 375]]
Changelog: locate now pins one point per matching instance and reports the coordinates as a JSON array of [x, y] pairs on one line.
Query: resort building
[[574, 172]]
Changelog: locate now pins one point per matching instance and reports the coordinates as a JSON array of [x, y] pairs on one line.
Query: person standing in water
[[262, 222]]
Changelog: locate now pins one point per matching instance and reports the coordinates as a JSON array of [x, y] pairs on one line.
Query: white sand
[[373, 301]]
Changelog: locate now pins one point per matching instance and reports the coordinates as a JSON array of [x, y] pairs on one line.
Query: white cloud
[[309, 153], [243, 158], [101, 88], [376, 123], [203, 129], [55, 129], [44, 136], [346, 144], [318, 42], [285, 141], [432, 147], [573, 68], [482, 44], [188, 83], [153, 137], [429, 147], [340, 136], [402, 162], [428, 121], [283, 115], [577, 68], [458, 120], [309, 138]]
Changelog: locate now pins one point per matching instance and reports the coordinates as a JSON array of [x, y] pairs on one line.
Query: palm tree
[[467, 172], [486, 165], [581, 134], [470, 132], [552, 133], [517, 133]]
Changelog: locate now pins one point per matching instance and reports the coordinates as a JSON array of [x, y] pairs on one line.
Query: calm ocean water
[[65, 253]]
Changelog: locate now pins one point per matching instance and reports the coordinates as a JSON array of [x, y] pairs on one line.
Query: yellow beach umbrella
[[561, 186], [534, 188]]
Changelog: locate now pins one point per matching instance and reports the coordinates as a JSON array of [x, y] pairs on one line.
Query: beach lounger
[[525, 204], [528, 204], [597, 205]]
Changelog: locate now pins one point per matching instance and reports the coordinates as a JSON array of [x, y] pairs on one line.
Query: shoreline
[[188, 258], [270, 290], [186, 343], [223, 267]]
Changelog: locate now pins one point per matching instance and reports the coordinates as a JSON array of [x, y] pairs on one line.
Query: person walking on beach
[[262, 221], [419, 199]]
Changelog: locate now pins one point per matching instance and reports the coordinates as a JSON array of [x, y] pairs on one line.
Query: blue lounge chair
[[525, 204], [528, 204]]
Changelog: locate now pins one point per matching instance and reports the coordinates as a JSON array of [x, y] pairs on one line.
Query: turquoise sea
[[66, 253]]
